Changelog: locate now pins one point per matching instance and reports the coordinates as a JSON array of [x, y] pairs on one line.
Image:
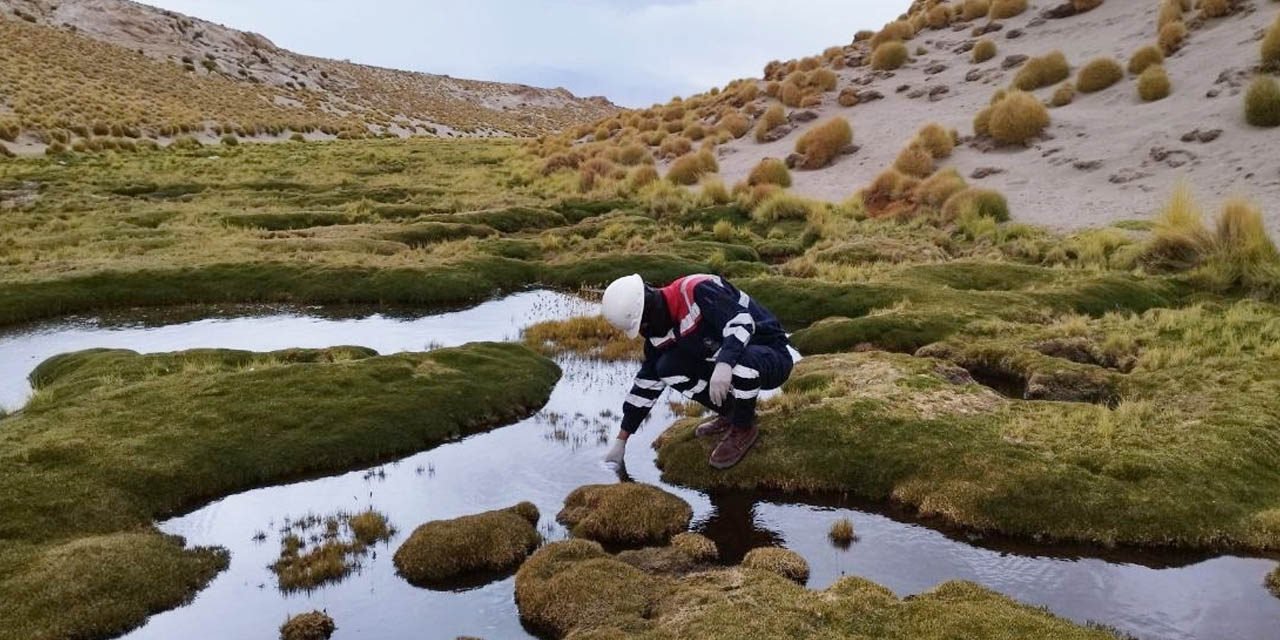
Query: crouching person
[[707, 340]]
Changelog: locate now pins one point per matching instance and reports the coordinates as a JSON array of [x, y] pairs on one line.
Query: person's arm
[[645, 391]]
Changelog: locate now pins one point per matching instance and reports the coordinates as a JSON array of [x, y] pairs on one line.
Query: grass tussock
[[824, 141], [935, 190], [1063, 95], [772, 118], [1270, 46], [1171, 36], [641, 177], [334, 551], [1262, 102], [1145, 57], [1099, 74], [1004, 9], [314, 625], [489, 542], [974, 9], [938, 16], [983, 51], [914, 160], [780, 205], [842, 533], [889, 56], [978, 202], [691, 167], [936, 139], [783, 562], [628, 513], [1017, 118], [1042, 71], [1215, 8], [1154, 84], [770, 171]]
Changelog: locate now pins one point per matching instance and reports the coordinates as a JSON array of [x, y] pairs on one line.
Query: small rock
[[1013, 34], [777, 133], [855, 60], [802, 116], [1125, 176], [982, 172], [1173, 157], [1087, 165], [1064, 10], [1037, 22], [850, 149], [965, 47], [935, 69], [795, 160], [936, 93], [869, 95], [1212, 93], [903, 87], [1208, 135], [990, 27], [1013, 61], [953, 373], [974, 75], [918, 93]]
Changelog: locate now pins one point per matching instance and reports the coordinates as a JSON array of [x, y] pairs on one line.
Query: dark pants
[[761, 367]]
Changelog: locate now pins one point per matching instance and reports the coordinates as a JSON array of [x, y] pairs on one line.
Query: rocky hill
[[1111, 145], [72, 69]]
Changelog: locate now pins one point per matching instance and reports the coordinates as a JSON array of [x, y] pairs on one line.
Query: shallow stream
[[1150, 595]]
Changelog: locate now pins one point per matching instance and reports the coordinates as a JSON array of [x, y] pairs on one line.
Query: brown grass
[[641, 177], [1153, 84], [308, 626], [1145, 57], [1262, 102], [1042, 71], [1099, 74], [935, 190], [936, 139], [627, 513], [1170, 12], [770, 171], [1171, 36], [974, 9], [691, 167], [1270, 47], [914, 160], [1215, 8], [783, 562], [674, 146], [984, 50], [821, 143], [1063, 95], [736, 124], [897, 31], [1017, 118], [889, 56], [443, 550], [938, 17], [1002, 9], [772, 118], [842, 533]]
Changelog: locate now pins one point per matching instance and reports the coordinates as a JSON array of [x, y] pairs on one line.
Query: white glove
[[616, 452], [721, 383]]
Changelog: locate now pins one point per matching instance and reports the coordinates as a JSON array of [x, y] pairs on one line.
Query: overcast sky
[[636, 52]]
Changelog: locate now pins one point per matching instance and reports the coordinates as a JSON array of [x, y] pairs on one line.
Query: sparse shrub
[[308, 626], [1002, 9], [984, 50], [824, 141], [735, 124], [1063, 95], [641, 177], [848, 97], [1099, 74], [784, 206], [713, 192], [751, 197], [1262, 102], [791, 94], [9, 130], [889, 56], [695, 131], [1180, 238], [1153, 83], [976, 201], [1215, 8], [935, 190], [811, 100], [914, 161], [1145, 57], [1171, 36], [770, 171], [1017, 118], [1271, 45], [634, 154], [689, 168], [841, 532], [773, 118], [823, 79], [675, 146], [974, 9], [747, 92], [897, 31], [586, 180], [1042, 71], [185, 142], [936, 140]]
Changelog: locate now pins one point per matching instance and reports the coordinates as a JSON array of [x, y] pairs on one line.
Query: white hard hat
[[623, 304]]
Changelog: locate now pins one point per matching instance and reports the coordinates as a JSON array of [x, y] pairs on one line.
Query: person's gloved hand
[[721, 383], [616, 452]]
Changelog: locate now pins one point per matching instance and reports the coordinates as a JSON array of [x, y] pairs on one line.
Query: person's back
[[709, 341]]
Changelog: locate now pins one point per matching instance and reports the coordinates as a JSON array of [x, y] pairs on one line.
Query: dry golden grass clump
[[315, 625], [770, 171], [627, 513], [938, 17], [897, 31], [1153, 83], [1262, 102], [974, 9], [914, 160], [823, 79], [783, 562], [696, 546], [984, 50], [588, 336], [736, 124], [823, 142], [772, 118], [641, 177], [492, 541], [935, 190], [333, 555], [1170, 11], [780, 205], [1002, 9], [1145, 57], [688, 169], [1099, 74], [1171, 36], [673, 146], [890, 187], [1017, 118], [889, 56], [634, 154], [1042, 71], [976, 201], [695, 131], [1215, 8], [1270, 48], [936, 139], [841, 532], [1063, 95], [1273, 582]]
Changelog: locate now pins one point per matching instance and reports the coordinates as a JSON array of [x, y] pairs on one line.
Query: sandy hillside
[[387, 100], [1107, 155]]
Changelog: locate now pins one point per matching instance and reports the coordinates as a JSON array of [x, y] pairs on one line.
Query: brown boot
[[733, 446], [713, 427]]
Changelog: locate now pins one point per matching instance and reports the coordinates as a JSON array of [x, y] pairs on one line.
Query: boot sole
[[725, 465]]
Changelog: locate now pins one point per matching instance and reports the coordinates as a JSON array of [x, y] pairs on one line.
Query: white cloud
[[634, 52]]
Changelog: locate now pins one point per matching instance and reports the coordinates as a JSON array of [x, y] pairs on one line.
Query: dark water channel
[[1149, 595]]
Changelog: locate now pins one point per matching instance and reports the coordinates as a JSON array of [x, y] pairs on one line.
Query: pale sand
[[1112, 126]]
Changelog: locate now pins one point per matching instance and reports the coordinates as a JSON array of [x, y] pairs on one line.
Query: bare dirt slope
[[1107, 155], [316, 89]]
